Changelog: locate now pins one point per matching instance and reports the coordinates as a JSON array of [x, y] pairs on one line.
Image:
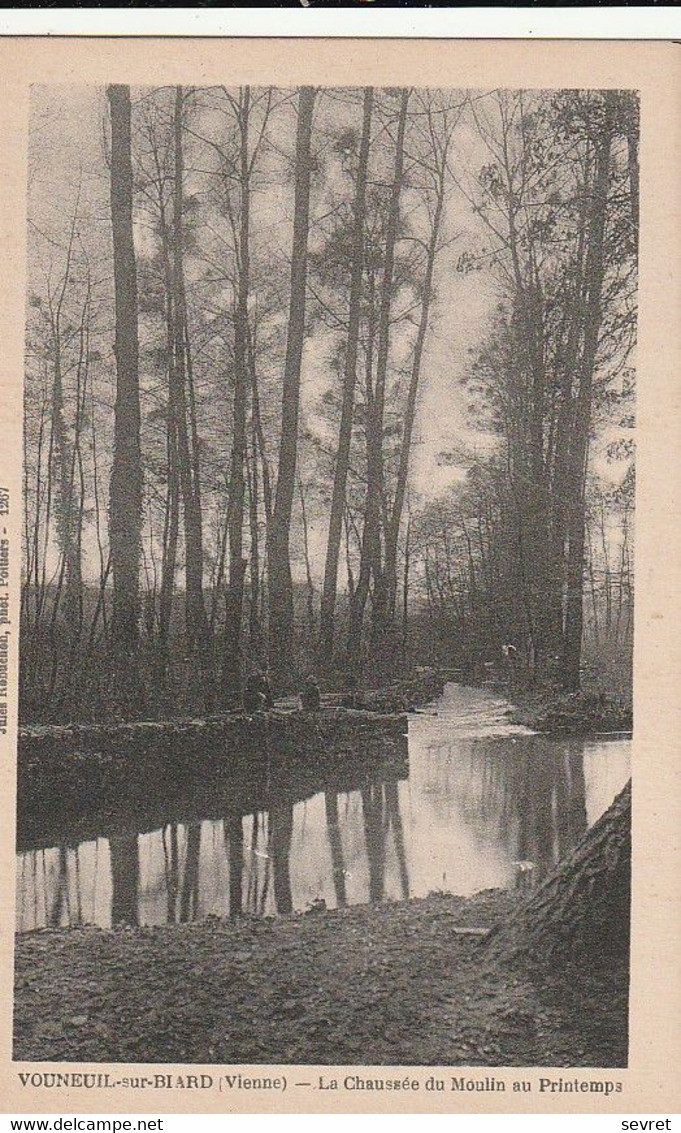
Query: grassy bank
[[581, 713], [378, 984]]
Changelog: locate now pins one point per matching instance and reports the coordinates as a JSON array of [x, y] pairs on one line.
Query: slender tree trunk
[[328, 602], [255, 626], [65, 455], [360, 592], [593, 587], [375, 451], [563, 420], [308, 565], [393, 532], [65, 503], [632, 132], [261, 451], [76, 597], [170, 540], [348, 556], [594, 273], [280, 583], [232, 658], [196, 620], [219, 573], [126, 476], [259, 433], [405, 591], [172, 513]]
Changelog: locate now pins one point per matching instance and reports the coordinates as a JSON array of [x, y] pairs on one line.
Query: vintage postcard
[[339, 483]]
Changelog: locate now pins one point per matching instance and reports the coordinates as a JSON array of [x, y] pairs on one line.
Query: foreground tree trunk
[[278, 557], [583, 909], [126, 475]]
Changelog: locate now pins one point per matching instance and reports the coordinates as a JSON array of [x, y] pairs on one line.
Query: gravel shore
[[392, 984]]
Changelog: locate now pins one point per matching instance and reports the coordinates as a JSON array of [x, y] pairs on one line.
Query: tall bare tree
[[232, 656], [594, 272], [340, 479], [371, 562], [126, 477], [278, 553], [184, 415], [439, 137]]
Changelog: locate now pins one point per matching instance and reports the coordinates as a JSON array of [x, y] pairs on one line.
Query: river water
[[486, 804]]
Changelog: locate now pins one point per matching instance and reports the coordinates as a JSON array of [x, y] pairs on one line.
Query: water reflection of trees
[[381, 813], [125, 879], [258, 879], [171, 858], [250, 864], [54, 876], [530, 799], [336, 845], [61, 903], [234, 845], [281, 831], [189, 893]]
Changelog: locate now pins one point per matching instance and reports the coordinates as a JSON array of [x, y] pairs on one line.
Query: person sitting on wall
[[353, 697], [255, 698], [265, 688], [310, 697], [259, 682]]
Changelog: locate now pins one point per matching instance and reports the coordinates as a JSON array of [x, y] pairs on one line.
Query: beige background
[[653, 1081]]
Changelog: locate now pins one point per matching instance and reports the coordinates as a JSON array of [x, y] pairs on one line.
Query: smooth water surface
[[486, 804]]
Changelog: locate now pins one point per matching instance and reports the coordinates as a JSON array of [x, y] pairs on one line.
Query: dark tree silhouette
[[126, 476], [340, 479], [279, 562]]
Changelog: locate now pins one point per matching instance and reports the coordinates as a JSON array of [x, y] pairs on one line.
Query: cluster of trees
[[504, 556], [227, 334]]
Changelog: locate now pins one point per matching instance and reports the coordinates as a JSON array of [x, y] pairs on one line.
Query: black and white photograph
[[328, 579]]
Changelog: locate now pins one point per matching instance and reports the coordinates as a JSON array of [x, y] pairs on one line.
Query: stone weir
[[389, 700], [87, 781]]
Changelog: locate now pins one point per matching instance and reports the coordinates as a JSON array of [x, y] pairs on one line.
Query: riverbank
[[583, 713], [391, 984], [99, 782]]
